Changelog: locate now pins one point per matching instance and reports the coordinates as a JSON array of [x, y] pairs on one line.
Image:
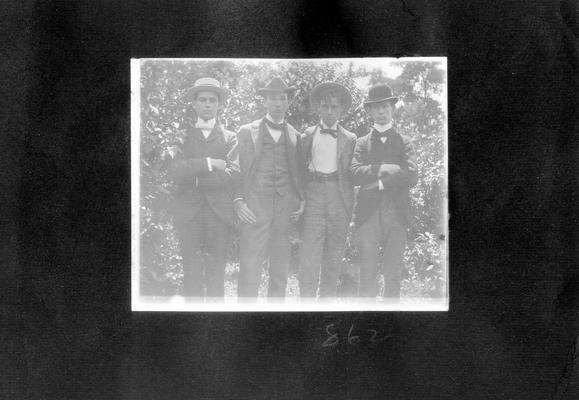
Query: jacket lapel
[[308, 143], [256, 133], [341, 142], [214, 134], [291, 142], [371, 138]]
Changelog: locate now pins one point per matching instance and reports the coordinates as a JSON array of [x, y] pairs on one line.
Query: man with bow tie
[[202, 208], [384, 166], [267, 197], [329, 193]]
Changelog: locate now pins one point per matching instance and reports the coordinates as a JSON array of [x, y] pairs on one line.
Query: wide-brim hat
[[276, 85], [380, 93], [209, 85], [346, 97]]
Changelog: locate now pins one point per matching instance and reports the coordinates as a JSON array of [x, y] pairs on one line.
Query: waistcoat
[[272, 172]]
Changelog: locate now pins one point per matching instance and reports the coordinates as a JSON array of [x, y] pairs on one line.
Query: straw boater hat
[[207, 84], [346, 97], [276, 85], [380, 93]]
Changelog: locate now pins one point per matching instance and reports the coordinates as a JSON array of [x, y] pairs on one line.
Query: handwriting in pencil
[[354, 337]]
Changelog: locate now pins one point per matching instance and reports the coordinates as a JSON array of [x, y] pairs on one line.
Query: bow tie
[[204, 125], [332, 132], [273, 125], [385, 134]]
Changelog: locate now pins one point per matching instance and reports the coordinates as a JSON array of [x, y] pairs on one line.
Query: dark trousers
[[384, 227], [266, 239], [323, 240], [204, 242]]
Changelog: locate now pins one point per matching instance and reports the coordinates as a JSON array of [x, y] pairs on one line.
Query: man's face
[[330, 111], [381, 113], [276, 104], [206, 105]]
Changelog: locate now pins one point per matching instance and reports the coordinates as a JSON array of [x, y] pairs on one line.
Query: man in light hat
[[384, 166], [268, 194], [329, 193], [202, 209]]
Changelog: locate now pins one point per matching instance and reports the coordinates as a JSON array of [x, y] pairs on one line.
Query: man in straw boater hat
[[202, 208], [327, 150], [267, 196], [384, 166]]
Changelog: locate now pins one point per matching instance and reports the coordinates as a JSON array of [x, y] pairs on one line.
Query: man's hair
[[210, 91], [327, 95], [373, 105], [268, 94]]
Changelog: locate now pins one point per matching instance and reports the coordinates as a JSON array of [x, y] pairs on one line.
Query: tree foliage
[[419, 114]]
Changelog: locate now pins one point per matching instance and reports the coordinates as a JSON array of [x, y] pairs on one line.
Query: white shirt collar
[[382, 128], [202, 124], [324, 126], [271, 119]]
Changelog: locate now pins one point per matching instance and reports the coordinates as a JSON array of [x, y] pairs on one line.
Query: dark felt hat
[[207, 84], [346, 97], [380, 93], [276, 85]]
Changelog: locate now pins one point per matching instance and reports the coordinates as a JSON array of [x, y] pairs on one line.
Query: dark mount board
[[514, 284]]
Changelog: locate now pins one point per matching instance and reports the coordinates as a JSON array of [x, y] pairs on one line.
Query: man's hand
[[218, 164], [388, 169], [243, 212], [295, 216]]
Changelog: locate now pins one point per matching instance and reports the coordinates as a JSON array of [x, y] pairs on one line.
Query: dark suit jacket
[[365, 165], [195, 183], [247, 153], [345, 152]]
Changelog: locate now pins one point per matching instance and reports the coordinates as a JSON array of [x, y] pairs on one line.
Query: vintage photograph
[[289, 184]]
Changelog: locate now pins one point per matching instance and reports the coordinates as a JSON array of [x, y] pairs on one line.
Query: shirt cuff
[[209, 164], [380, 185]]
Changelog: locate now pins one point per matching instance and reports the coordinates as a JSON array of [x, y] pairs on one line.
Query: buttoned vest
[[272, 172]]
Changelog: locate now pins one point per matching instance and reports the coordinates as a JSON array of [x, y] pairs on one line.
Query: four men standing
[[272, 175]]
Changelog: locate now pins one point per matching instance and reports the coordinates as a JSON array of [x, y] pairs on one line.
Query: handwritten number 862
[[334, 338]]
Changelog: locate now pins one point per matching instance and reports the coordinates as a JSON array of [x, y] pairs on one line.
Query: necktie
[[332, 132], [273, 125]]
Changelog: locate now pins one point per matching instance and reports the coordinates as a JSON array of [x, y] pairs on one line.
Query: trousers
[[323, 239], [204, 244], [267, 239], [384, 226]]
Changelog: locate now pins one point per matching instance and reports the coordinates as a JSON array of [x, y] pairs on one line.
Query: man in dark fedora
[[327, 150], [202, 208], [267, 196], [384, 166]]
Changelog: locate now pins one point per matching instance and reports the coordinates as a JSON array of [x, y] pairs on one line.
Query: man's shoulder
[[310, 130], [405, 138], [364, 138], [247, 128], [349, 135], [292, 130], [227, 133]]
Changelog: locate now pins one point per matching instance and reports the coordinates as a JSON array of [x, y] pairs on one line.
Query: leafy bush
[[420, 86]]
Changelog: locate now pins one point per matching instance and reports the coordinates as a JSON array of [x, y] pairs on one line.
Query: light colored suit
[[328, 211], [269, 236]]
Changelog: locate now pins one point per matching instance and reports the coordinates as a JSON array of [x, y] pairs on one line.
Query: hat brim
[[265, 91], [318, 90], [390, 99], [222, 93]]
